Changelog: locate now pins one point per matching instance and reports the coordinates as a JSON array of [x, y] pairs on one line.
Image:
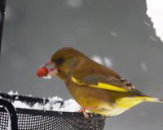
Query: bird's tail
[[152, 99], [128, 102]]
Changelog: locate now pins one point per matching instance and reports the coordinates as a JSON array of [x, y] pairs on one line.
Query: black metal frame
[[12, 113], [2, 15]]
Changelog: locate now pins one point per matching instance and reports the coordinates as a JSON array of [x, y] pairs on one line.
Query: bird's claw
[[83, 110]]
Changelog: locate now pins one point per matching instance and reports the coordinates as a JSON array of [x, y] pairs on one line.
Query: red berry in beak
[[43, 71]]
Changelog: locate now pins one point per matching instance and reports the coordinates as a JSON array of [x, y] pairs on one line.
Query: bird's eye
[[59, 61]]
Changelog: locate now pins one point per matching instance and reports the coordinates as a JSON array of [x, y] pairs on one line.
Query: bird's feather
[[103, 82], [100, 85]]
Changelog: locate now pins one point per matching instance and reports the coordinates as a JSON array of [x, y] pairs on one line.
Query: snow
[[114, 34], [54, 104], [105, 60], [144, 66], [19, 104], [70, 105], [74, 3], [155, 12], [12, 93], [97, 59]]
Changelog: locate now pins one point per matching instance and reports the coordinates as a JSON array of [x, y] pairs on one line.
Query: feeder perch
[[31, 119]]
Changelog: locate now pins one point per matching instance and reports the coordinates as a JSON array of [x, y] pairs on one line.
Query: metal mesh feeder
[[31, 119]]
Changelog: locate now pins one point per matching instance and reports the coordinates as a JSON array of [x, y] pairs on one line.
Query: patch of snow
[[114, 34], [16, 97], [105, 60], [74, 3], [12, 93], [19, 104], [155, 12], [97, 59], [70, 105], [144, 66], [54, 104], [30, 95]]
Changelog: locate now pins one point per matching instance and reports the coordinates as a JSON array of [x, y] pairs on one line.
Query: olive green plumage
[[94, 85]]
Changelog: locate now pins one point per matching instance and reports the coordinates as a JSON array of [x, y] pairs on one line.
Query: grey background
[[120, 30]]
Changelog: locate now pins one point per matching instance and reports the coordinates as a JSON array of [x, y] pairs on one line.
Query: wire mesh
[[48, 120]]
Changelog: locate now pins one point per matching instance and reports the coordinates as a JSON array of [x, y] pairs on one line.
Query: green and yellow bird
[[95, 87]]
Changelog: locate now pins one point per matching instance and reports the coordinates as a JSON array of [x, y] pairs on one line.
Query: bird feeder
[[12, 118]]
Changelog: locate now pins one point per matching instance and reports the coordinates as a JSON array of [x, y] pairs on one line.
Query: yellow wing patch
[[111, 87], [100, 85]]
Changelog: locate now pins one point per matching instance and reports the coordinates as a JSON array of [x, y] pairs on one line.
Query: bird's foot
[[83, 110]]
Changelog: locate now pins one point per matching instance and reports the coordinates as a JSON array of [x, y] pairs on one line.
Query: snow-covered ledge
[[53, 104]]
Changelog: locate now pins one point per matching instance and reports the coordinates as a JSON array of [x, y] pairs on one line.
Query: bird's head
[[63, 62]]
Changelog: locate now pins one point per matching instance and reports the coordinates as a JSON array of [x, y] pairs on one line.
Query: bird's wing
[[103, 82]]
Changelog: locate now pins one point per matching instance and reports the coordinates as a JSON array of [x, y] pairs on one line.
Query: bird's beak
[[52, 69]]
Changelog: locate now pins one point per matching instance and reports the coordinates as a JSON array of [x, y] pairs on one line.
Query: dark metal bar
[[12, 113], [2, 14], [26, 99]]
